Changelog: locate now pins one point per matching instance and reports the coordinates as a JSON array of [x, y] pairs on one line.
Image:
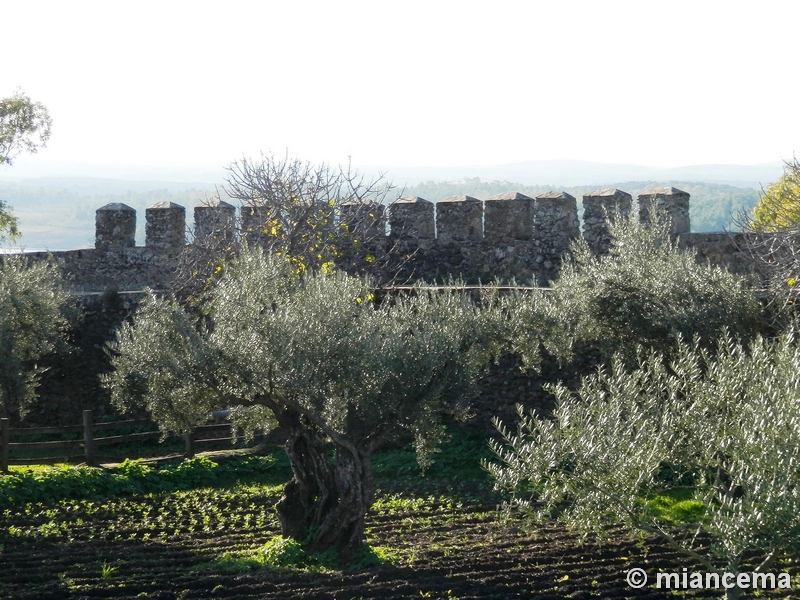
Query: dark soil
[[444, 543]]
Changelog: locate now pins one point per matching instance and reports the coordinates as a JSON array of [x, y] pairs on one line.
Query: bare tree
[[776, 256], [315, 216]]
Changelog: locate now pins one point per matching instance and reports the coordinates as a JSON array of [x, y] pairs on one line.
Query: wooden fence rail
[[85, 449]]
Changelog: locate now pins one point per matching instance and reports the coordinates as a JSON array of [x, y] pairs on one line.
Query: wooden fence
[[85, 450]]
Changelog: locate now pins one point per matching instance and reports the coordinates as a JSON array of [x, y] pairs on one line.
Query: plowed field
[[439, 536], [437, 542]]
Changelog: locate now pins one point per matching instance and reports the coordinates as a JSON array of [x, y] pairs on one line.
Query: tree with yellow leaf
[[773, 236], [778, 208], [314, 217]]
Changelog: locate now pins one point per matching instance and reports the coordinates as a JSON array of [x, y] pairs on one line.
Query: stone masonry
[[459, 219], [507, 217], [674, 201], [214, 219], [599, 208], [508, 237], [115, 227], [555, 226], [412, 219], [166, 225]]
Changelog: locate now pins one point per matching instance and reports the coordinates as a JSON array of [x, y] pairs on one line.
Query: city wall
[[509, 236]]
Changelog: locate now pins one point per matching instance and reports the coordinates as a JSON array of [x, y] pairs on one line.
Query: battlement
[[508, 236], [507, 217]]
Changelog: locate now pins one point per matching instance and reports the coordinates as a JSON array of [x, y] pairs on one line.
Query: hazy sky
[[409, 83]]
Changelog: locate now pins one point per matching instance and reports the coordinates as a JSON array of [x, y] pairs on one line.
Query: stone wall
[[727, 250], [70, 383], [508, 237], [123, 269]]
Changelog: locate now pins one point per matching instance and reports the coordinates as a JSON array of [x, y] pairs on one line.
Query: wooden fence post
[[88, 439], [188, 439], [4, 445]]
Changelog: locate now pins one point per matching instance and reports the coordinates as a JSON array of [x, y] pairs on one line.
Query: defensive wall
[[508, 236]]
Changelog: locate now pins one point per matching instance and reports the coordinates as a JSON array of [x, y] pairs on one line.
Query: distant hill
[[570, 173], [553, 173]]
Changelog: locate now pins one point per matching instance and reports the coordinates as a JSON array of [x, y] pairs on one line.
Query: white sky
[[409, 83]]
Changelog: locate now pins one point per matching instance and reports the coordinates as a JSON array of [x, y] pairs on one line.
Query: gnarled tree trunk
[[325, 502]]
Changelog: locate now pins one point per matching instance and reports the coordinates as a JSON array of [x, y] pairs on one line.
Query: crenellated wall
[[509, 236]]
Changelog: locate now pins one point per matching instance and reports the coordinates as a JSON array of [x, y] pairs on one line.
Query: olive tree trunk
[[326, 501]]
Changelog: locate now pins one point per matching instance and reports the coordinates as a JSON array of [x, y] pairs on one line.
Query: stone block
[[508, 217], [412, 219], [600, 207], [459, 219], [673, 200], [115, 227], [365, 221], [214, 222], [165, 225]]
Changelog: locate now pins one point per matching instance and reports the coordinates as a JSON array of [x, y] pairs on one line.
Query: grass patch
[[676, 507], [53, 484], [280, 553], [38, 468], [459, 459]]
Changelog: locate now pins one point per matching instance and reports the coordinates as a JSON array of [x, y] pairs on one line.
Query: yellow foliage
[[779, 205], [368, 297]]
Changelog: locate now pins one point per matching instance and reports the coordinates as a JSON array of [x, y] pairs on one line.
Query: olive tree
[[9, 224], [314, 355], [33, 322], [723, 429], [646, 291]]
